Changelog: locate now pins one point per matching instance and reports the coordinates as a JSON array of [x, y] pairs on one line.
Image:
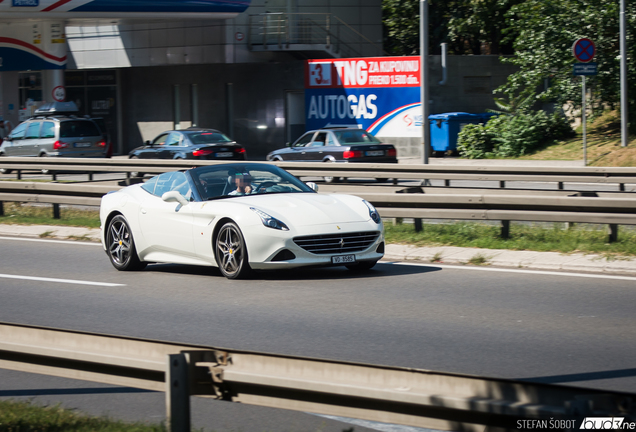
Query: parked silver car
[[54, 132]]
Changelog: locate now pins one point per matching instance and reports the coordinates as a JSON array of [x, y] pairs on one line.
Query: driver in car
[[243, 182]]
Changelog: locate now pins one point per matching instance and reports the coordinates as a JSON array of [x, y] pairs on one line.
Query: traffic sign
[[59, 93], [585, 69], [584, 50]]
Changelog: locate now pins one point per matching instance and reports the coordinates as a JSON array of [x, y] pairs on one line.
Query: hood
[[301, 209]]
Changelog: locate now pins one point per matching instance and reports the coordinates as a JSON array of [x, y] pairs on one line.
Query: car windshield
[[355, 137], [207, 137], [231, 180]]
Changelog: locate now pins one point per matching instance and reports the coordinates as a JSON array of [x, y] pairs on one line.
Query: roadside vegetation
[[42, 214], [23, 416], [558, 237], [543, 137]]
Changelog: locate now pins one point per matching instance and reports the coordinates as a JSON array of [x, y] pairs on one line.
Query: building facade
[[240, 71]]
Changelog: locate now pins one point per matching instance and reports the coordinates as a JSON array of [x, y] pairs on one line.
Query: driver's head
[[242, 179]]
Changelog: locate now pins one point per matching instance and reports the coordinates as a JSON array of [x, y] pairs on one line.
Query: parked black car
[[337, 144], [191, 143]]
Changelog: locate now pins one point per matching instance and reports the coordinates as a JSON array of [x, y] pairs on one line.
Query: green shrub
[[474, 142], [512, 135]]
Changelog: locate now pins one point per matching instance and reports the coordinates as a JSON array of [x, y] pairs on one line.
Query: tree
[[469, 27], [543, 51]]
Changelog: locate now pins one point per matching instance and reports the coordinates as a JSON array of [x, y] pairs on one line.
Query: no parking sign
[[584, 50]]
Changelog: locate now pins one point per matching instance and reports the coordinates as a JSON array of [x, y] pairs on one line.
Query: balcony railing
[[308, 32]]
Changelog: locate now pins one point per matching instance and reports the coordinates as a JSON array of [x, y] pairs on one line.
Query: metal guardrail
[[595, 175], [487, 205], [406, 396]]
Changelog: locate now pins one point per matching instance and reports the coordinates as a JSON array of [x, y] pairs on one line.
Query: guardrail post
[[613, 233], [417, 222], [177, 393], [19, 175], [56, 211], [505, 229], [447, 183], [1, 208], [502, 184], [621, 187], [560, 185]]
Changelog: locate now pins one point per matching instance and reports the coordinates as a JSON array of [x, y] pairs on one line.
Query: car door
[[13, 145], [47, 136], [298, 149], [170, 147], [31, 141], [168, 225], [315, 149], [155, 147]]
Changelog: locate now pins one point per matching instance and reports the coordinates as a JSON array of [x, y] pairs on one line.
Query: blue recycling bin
[[484, 117], [445, 128]]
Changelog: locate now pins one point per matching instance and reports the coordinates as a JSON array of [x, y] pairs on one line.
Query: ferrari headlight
[[373, 212], [269, 221]]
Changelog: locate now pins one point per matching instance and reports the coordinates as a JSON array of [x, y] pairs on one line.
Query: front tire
[[231, 253], [120, 246]]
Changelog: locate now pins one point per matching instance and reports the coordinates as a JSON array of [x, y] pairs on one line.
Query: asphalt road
[[556, 328]]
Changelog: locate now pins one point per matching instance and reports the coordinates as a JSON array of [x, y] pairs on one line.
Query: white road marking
[[68, 281], [541, 272], [383, 427], [73, 242]]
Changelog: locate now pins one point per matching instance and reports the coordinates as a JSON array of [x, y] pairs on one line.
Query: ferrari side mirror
[[174, 196]]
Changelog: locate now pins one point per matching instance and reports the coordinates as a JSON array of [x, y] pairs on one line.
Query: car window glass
[[220, 181], [330, 141], [149, 186], [33, 131], [304, 140], [78, 128], [164, 183], [180, 184], [48, 130], [207, 138], [356, 137], [173, 139], [160, 140], [319, 140], [18, 132]]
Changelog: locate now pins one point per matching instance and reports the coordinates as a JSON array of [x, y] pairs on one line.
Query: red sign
[[363, 72], [59, 93], [584, 50]]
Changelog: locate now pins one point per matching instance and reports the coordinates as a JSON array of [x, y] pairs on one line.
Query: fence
[[406, 396], [619, 176], [583, 207]]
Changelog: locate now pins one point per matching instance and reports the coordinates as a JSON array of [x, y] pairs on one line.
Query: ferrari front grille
[[337, 243]]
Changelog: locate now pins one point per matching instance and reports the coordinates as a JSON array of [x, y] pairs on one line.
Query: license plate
[[224, 154], [375, 153], [343, 259], [82, 144]]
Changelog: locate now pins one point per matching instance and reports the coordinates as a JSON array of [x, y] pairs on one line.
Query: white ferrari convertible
[[238, 217]]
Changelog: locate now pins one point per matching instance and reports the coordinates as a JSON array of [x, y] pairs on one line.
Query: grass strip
[[42, 214], [555, 237], [23, 416]]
